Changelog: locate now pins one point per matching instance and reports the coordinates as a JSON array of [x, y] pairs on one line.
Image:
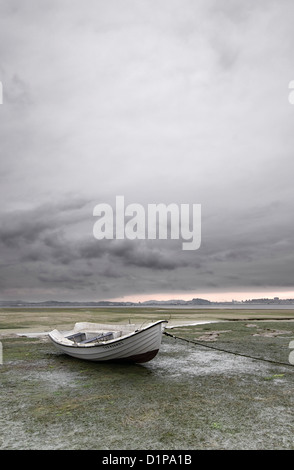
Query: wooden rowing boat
[[101, 342]]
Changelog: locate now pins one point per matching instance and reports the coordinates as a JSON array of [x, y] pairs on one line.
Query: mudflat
[[196, 394]]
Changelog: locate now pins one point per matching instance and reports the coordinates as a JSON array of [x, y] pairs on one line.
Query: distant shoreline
[[157, 306]]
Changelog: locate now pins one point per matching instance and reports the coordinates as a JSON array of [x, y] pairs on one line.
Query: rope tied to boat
[[228, 352]]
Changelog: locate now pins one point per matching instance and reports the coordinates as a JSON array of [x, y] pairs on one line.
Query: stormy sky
[[161, 101]]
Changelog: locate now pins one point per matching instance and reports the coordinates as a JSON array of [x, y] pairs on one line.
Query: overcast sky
[[161, 101]]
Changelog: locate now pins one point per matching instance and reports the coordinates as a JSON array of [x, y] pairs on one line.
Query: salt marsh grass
[[188, 397]]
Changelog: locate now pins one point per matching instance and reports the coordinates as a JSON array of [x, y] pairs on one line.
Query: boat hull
[[139, 347]]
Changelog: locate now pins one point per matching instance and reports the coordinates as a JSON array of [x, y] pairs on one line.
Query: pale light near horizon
[[211, 296]]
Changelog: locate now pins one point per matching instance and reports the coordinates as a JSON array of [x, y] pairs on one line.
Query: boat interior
[[85, 337], [85, 333]]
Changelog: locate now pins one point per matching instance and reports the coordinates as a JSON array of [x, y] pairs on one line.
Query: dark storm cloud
[[47, 233], [42, 244], [29, 225], [48, 251]]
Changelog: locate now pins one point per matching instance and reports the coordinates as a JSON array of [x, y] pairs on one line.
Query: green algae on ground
[[241, 337], [186, 398]]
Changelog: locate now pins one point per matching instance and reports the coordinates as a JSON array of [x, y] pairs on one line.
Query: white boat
[[101, 342]]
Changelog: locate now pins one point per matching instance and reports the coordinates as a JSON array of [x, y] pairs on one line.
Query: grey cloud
[[171, 101], [29, 224]]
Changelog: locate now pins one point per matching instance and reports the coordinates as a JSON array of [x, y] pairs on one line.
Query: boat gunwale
[[103, 343]]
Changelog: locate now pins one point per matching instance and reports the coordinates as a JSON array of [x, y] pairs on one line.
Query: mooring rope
[[226, 351]]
